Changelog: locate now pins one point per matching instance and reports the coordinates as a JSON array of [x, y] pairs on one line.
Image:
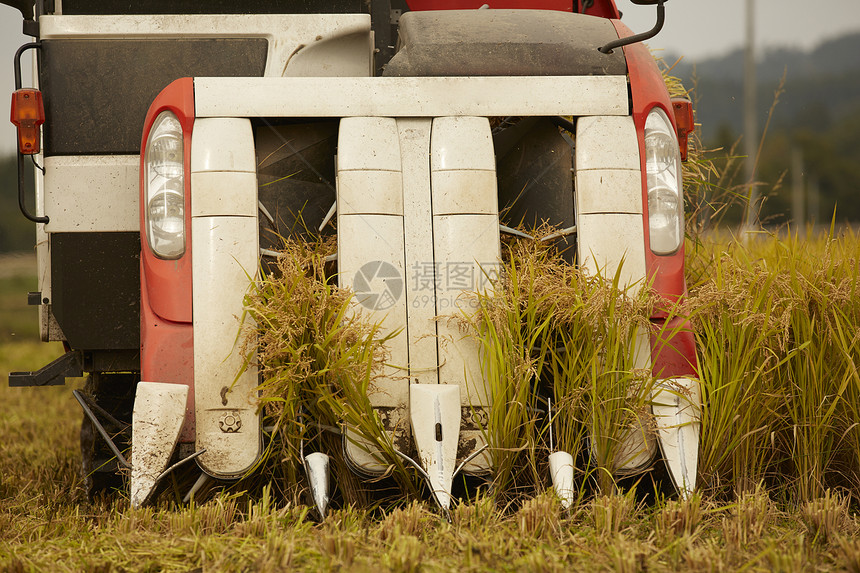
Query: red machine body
[[166, 331], [602, 8]]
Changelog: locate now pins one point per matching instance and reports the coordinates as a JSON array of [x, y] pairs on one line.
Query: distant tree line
[[817, 115], [16, 233]]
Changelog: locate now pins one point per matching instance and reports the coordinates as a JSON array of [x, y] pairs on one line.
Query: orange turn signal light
[[28, 113], [684, 121]]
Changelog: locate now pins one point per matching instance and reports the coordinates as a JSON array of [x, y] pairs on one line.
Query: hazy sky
[[694, 28], [702, 28]]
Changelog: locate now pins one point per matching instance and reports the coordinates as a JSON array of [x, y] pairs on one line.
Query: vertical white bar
[[611, 236], [420, 260], [371, 262], [607, 147], [467, 249], [228, 426], [225, 242]]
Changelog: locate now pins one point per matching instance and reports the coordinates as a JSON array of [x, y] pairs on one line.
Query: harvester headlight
[[665, 198], [164, 187]]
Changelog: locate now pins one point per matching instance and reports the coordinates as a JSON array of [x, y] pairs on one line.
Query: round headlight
[[166, 212], [165, 149]]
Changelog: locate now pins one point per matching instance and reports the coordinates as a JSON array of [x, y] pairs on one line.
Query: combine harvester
[[405, 127]]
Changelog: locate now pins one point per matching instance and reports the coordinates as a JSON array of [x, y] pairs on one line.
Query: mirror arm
[[661, 19]]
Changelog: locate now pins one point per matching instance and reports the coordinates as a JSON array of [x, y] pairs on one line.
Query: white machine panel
[[609, 191], [225, 236], [606, 143], [610, 240], [215, 194], [225, 147], [610, 233], [385, 199], [95, 193], [610, 226], [467, 249], [371, 261], [228, 427], [412, 250], [463, 191], [368, 143], [462, 143]]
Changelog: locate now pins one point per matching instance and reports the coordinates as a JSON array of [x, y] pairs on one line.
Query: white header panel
[[411, 97]]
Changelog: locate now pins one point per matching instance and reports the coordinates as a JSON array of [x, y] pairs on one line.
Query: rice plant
[[552, 335], [512, 326], [735, 329], [777, 332], [317, 359]]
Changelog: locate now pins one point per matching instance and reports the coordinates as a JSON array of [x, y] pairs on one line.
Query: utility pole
[[751, 138], [814, 198], [798, 200]]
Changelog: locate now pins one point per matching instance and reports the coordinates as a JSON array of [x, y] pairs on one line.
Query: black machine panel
[[96, 289], [504, 43], [97, 92]]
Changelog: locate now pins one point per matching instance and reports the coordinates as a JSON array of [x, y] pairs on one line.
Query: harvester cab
[[419, 133]]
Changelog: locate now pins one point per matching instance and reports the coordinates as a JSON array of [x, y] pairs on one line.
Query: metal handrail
[[21, 204]]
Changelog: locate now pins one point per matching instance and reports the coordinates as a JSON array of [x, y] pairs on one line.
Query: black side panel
[[97, 92], [535, 183], [213, 6], [295, 174], [25, 6], [95, 279], [504, 43]]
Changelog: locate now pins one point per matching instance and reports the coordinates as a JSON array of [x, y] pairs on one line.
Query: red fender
[[166, 332], [673, 349], [602, 8]]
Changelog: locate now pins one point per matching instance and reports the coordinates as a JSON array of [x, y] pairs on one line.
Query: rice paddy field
[[777, 322]]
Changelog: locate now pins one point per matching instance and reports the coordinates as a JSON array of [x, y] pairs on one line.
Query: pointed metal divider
[[676, 404], [316, 465], [560, 467], [435, 413], [159, 411], [317, 470]]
